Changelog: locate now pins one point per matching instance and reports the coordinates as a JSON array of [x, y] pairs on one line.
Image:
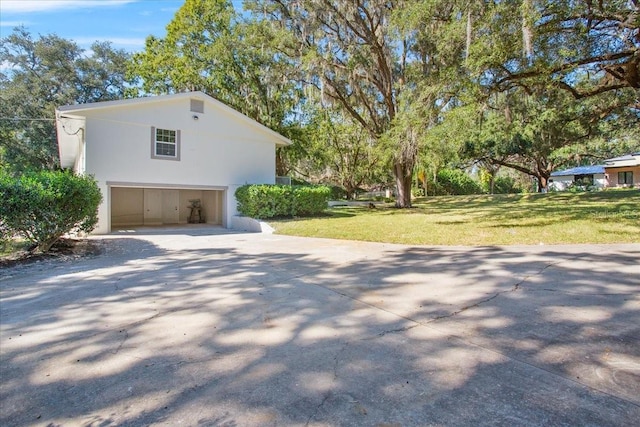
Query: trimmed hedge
[[269, 201], [43, 206], [456, 182]]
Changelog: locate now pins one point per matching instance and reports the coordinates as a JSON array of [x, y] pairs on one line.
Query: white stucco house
[[152, 156], [591, 175]]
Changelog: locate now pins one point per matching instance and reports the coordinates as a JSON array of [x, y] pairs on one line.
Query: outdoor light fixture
[[195, 117]]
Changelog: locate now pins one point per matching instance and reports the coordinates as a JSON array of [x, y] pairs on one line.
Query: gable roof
[[580, 170], [79, 108], [632, 159]]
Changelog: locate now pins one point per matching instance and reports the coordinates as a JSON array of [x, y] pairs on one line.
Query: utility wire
[[26, 119]]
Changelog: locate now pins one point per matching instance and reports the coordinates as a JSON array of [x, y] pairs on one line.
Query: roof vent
[[197, 106]]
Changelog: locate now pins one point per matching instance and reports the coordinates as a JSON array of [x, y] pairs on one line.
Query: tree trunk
[[543, 183], [45, 246], [403, 174], [281, 163], [350, 192], [543, 174]]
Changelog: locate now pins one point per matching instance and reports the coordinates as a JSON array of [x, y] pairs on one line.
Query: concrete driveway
[[200, 326]]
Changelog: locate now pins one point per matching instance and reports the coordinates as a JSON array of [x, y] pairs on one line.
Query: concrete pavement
[[201, 326]]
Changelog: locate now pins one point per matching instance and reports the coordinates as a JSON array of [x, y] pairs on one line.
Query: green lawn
[[555, 218]]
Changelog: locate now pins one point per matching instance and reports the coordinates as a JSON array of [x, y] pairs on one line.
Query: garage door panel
[[212, 206], [170, 202], [152, 206], [127, 207]]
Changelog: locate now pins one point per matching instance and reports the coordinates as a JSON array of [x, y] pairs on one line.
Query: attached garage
[[151, 157], [137, 206]]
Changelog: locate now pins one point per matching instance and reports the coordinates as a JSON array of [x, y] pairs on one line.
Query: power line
[[24, 119]]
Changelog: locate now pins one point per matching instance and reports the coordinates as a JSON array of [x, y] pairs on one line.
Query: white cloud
[[117, 42], [5, 66], [49, 5], [14, 23]]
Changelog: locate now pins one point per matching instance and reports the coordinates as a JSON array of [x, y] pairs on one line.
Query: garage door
[[133, 206], [160, 206]]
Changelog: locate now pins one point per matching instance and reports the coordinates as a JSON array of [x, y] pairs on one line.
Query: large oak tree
[[42, 74], [584, 47], [392, 78]]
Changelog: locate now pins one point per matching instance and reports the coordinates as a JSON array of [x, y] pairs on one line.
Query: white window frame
[[155, 142]]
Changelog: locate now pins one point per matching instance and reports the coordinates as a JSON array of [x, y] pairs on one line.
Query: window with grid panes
[[165, 144]]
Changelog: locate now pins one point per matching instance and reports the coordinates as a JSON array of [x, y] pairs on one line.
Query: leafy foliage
[[376, 91], [361, 59], [504, 185], [40, 75], [538, 133], [338, 152], [43, 206], [582, 47], [370, 92], [269, 201], [456, 182]]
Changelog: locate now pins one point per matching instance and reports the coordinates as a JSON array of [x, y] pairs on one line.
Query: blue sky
[[125, 23]]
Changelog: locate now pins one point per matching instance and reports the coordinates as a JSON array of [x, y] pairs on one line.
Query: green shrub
[[43, 206], [456, 182], [269, 201], [262, 201], [505, 185], [309, 200]]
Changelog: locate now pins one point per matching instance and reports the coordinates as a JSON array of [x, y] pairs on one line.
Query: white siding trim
[[167, 186]]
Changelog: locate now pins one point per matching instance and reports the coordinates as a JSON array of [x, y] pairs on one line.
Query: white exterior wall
[[561, 182], [217, 150]]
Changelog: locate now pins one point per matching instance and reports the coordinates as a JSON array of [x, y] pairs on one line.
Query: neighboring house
[[623, 171], [152, 156], [581, 175]]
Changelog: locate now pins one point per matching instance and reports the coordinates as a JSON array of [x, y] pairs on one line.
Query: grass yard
[[11, 246], [611, 216]]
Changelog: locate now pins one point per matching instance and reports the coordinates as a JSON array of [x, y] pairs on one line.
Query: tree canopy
[[45, 73], [389, 74], [583, 47], [409, 87]]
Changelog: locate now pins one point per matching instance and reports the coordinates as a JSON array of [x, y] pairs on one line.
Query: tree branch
[[567, 66]]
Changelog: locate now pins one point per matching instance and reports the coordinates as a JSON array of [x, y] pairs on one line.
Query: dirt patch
[[63, 249]]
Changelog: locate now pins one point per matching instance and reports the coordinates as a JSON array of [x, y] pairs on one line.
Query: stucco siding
[[562, 182], [612, 174], [214, 150], [218, 150]]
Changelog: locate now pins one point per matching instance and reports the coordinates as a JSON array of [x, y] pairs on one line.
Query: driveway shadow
[[234, 329]]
